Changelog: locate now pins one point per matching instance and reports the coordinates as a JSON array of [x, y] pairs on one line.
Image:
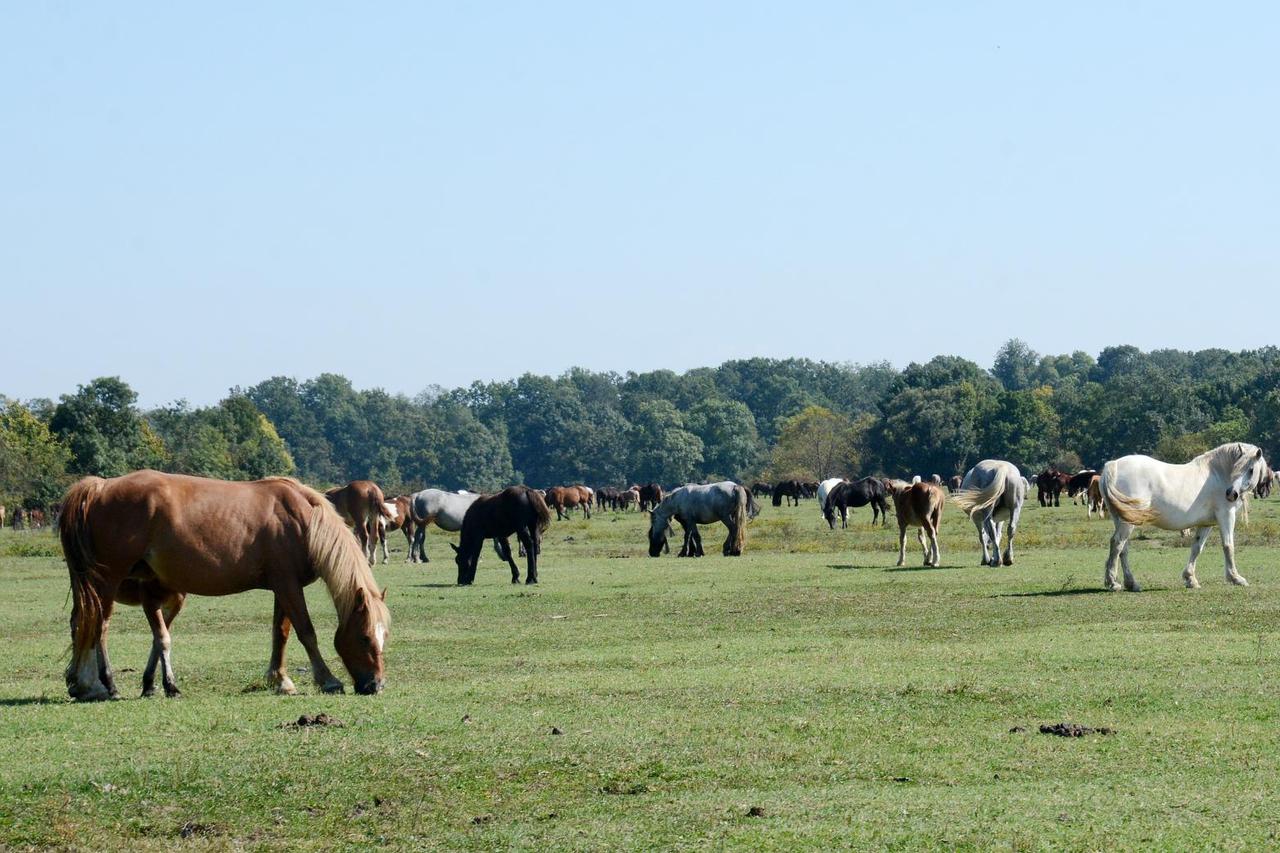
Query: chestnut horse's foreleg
[[294, 605], [277, 675]]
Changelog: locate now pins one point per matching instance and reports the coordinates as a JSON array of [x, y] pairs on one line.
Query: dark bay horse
[[868, 490], [519, 510], [650, 496], [792, 490], [1049, 485], [146, 536]]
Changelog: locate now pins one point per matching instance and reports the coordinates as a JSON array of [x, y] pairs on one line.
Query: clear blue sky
[[436, 193]]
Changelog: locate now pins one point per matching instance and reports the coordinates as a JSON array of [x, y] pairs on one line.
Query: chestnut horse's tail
[[82, 565], [540, 511]]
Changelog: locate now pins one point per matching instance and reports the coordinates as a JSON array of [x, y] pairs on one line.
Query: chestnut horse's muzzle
[[369, 686]]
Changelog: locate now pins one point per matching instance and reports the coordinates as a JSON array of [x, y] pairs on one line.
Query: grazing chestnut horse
[[517, 509], [35, 517], [565, 498], [146, 537], [401, 518], [919, 505], [361, 504]]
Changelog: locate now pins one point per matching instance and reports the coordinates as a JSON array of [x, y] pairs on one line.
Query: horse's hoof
[[334, 686], [1192, 583], [1238, 581], [175, 693], [1008, 561], [148, 693], [97, 693], [1133, 587]]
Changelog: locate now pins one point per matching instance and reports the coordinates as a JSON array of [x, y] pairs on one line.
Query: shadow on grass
[[921, 568], [1053, 593], [449, 585], [31, 700]]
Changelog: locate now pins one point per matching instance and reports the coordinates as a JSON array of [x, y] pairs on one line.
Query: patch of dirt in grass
[[312, 720], [1074, 730]]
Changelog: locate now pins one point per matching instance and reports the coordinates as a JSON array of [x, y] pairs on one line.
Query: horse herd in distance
[[149, 539]]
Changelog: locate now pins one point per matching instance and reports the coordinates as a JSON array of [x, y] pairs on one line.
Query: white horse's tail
[[977, 500], [1127, 509]]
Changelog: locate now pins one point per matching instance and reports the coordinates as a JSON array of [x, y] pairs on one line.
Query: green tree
[[815, 444], [33, 463], [727, 430], [1023, 429], [663, 451], [104, 431], [1015, 365], [934, 430]]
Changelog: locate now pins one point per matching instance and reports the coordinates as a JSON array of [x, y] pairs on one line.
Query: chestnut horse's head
[[361, 639]]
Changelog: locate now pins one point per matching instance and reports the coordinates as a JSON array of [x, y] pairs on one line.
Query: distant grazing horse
[[361, 504], [920, 506], [792, 490], [1078, 485], [868, 490], [824, 489], [650, 496], [401, 518], [809, 489], [565, 498], [35, 517], [761, 489], [1204, 492], [936, 479], [691, 505], [445, 509], [953, 485], [607, 498], [1049, 485], [629, 498], [1262, 490], [19, 516], [145, 536], [991, 493], [519, 510]]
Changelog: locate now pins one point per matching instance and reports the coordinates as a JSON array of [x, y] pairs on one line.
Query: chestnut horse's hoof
[[334, 686]]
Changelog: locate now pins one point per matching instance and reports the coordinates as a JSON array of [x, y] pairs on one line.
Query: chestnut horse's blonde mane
[[336, 556]]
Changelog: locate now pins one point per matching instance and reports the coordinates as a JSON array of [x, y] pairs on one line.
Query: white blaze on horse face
[[380, 635]]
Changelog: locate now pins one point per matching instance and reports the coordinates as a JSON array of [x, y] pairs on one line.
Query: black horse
[[759, 489], [1079, 484], [519, 510], [650, 497], [868, 490], [793, 490]]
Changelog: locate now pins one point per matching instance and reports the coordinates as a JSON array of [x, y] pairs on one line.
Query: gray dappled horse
[[691, 505]]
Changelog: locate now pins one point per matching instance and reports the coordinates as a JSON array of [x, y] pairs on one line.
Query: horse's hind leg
[[529, 539], [504, 551], [1119, 539], [1189, 573], [1013, 529], [105, 674], [160, 615], [277, 674], [408, 540]]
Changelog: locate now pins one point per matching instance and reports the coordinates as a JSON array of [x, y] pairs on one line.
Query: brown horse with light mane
[[401, 518], [146, 536], [565, 498], [361, 504], [919, 505]]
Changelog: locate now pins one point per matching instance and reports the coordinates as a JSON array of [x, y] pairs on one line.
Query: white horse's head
[[1249, 468]]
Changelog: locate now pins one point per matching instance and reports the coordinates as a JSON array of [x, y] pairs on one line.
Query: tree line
[[746, 419]]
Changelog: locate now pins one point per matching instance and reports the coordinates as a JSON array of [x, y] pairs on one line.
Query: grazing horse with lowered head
[[1078, 485], [919, 505], [824, 489], [792, 490], [868, 490], [607, 498], [565, 498], [361, 504], [953, 485], [692, 505], [145, 536], [1202, 493], [445, 509], [517, 509], [992, 493], [761, 489], [629, 498]]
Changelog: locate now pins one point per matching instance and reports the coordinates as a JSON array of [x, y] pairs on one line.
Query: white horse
[[446, 509], [992, 493], [1208, 490], [825, 487]]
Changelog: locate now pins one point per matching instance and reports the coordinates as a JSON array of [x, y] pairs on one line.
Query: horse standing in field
[[1202, 493], [868, 490], [1049, 484], [920, 506], [2, 512], [1078, 486], [792, 490], [607, 498], [650, 496], [691, 505], [446, 510], [565, 498], [519, 510], [992, 493], [761, 489], [361, 504], [401, 518], [35, 518], [147, 537], [19, 516], [953, 485], [1094, 501], [629, 498], [824, 489]]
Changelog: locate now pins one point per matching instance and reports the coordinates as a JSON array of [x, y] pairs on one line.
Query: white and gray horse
[[825, 487], [692, 505], [446, 509], [1207, 491], [991, 494]]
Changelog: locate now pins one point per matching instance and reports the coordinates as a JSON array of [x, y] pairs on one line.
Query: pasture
[[807, 694]]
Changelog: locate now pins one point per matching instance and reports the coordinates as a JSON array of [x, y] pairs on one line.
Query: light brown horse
[[565, 498], [361, 504], [919, 505], [147, 536], [401, 518]]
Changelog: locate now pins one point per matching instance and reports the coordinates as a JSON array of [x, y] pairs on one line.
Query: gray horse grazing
[[446, 509], [692, 505], [991, 493]]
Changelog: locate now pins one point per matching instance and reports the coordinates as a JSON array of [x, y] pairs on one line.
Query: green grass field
[[805, 695]]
